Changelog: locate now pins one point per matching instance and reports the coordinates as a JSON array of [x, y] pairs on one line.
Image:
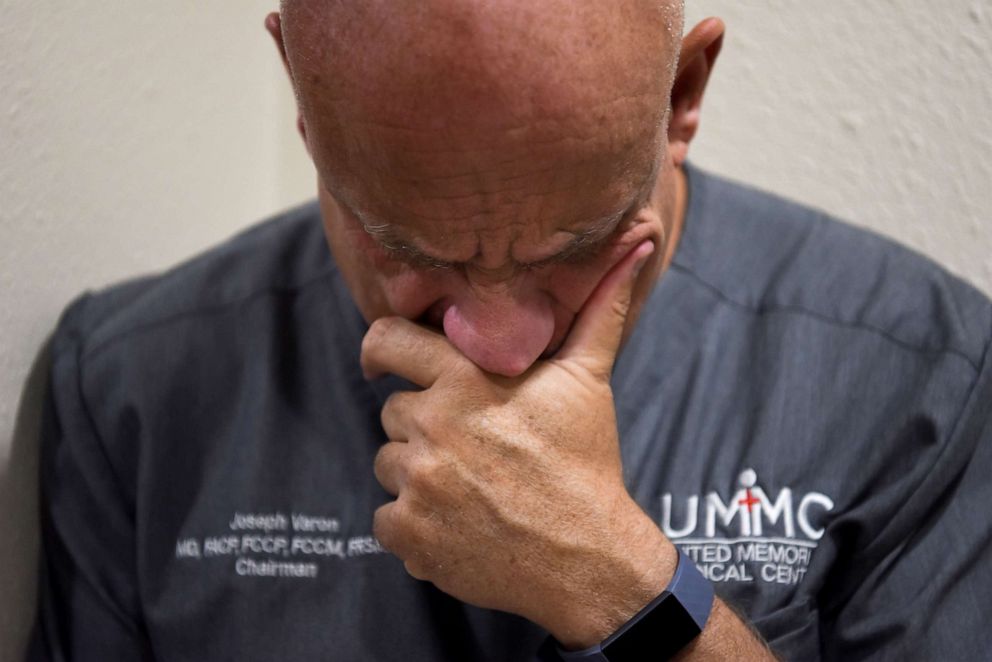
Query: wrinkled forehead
[[446, 112], [531, 180]]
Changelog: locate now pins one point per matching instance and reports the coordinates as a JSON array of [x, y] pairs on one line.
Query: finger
[[396, 415], [395, 529], [401, 347], [386, 527], [595, 337], [390, 466]]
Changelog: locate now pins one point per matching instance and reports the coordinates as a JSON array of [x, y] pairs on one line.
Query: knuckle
[[403, 535], [392, 401], [416, 568], [393, 527], [395, 404], [620, 307], [378, 331], [461, 370], [381, 463], [422, 475], [427, 418]]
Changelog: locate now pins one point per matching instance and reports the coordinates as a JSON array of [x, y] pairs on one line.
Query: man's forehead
[[441, 244], [549, 227], [488, 118]]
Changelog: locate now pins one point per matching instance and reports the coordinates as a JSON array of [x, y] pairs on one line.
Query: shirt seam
[[135, 627], [90, 353], [766, 308]]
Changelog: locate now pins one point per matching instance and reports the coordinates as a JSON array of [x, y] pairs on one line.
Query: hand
[[510, 492]]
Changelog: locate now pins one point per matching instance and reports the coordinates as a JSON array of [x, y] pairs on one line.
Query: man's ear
[[273, 24], [700, 49]]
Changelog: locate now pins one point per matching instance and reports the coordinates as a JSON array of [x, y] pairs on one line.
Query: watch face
[[658, 635]]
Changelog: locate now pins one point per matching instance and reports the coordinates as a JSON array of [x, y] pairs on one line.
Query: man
[[428, 445]]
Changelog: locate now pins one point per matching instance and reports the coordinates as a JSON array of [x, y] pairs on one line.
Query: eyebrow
[[583, 243]]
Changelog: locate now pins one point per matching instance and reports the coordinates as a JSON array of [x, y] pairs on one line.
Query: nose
[[503, 331]]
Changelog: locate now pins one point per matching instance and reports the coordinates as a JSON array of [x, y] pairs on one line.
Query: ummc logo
[[762, 536], [751, 508]]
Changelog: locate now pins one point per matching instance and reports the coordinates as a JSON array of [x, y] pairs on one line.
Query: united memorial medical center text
[[278, 544], [752, 536]]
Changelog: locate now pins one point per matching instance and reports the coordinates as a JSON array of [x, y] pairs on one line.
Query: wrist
[[636, 567], [669, 625]]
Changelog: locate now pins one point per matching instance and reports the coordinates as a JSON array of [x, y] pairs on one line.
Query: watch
[[664, 627]]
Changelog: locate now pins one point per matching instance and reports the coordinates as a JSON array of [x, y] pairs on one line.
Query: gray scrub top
[[804, 408]]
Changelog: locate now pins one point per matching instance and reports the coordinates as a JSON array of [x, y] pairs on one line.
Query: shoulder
[[768, 256], [279, 257]]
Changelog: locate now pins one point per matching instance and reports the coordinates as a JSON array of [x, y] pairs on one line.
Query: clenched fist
[[509, 491]]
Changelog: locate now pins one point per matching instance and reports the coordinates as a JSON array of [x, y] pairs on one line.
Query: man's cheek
[[411, 292], [400, 289], [571, 284], [372, 254]]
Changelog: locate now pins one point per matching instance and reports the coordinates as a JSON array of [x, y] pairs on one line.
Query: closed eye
[[575, 254], [414, 258]]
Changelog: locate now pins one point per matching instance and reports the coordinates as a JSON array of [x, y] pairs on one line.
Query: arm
[[917, 586], [88, 602]]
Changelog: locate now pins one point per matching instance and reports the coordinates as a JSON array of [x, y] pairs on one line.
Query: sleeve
[[89, 606], [927, 596]]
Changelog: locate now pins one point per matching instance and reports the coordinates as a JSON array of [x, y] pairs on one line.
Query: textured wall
[[134, 134], [876, 111], [131, 135]]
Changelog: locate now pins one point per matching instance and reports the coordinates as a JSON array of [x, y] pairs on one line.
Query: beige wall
[[133, 134]]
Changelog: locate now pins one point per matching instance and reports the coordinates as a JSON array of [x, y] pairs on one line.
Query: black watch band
[[663, 628]]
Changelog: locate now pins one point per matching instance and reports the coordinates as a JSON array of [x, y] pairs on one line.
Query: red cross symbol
[[749, 500]]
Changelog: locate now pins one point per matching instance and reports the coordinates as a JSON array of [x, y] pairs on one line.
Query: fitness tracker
[[663, 627]]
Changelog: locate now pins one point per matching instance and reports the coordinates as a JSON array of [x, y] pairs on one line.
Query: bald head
[[523, 146], [555, 51], [373, 75]]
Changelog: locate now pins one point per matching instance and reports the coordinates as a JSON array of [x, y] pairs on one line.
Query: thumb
[[595, 338]]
